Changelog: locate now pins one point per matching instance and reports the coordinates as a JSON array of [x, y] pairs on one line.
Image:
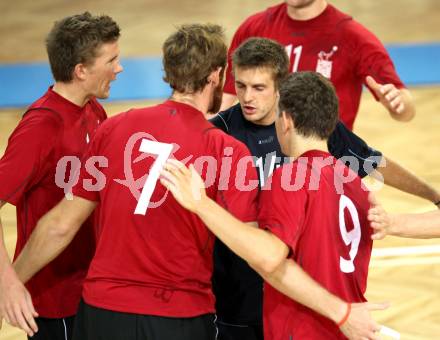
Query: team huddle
[[253, 224]]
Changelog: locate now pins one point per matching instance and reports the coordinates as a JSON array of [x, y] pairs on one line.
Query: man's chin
[[104, 95]]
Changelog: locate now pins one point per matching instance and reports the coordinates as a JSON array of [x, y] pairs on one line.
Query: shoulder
[[112, 122], [218, 141], [255, 22], [351, 28], [41, 119], [132, 117], [288, 181], [223, 120]]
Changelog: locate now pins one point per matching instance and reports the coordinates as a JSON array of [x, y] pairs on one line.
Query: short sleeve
[[238, 188], [353, 150], [282, 210], [26, 159], [372, 59]]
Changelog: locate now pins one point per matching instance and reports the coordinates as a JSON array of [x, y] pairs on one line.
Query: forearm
[[291, 280], [425, 225], [259, 248], [400, 178], [409, 110], [44, 245], [5, 263]]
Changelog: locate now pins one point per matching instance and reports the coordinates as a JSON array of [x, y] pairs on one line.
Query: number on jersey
[[351, 238], [297, 52], [163, 151]]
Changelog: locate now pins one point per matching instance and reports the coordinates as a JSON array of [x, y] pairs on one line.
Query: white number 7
[[163, 151], [353, 237]]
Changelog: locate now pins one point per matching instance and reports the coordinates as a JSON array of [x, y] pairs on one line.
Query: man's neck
[[198, 100], [307, 13], [71, 92], [300, 145]]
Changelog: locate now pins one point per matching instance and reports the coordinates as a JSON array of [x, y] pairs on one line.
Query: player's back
[[152, 248], [331, 243]]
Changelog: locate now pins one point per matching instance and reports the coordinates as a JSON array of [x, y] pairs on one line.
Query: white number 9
[[353, 237]]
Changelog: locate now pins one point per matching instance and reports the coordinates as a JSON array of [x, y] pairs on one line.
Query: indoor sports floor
[[404, 272]]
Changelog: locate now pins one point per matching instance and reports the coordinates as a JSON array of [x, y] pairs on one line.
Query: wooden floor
[[410, 282]]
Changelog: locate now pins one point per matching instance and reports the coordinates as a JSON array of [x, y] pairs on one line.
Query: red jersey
[[332, 44], [52, 127], [158, 261], [324, 222]]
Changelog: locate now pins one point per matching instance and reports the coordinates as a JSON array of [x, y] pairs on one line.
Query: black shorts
[[54, 329], [239, 332], [94, 323]]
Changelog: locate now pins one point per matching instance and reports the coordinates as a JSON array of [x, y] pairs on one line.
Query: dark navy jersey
[[261, 140], [238, 288]]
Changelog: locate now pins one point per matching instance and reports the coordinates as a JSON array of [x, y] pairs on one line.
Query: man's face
[[256, 93], [103, 70], [298, 4]]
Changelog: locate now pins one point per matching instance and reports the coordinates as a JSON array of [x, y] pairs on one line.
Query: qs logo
[[143, 187]]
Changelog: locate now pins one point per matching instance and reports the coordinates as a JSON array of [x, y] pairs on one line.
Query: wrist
[[7, 272], [346, 315], [337, 311], [395, 226], [203, 205]]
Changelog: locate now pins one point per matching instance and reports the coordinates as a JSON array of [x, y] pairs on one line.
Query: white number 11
[[297, 52]]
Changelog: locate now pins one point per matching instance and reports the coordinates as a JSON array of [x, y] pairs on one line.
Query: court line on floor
[[405, 251], [405, 261]]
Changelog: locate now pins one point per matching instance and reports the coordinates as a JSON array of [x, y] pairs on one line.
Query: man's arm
[[398, 102], [425, 225], [13, 294], [402, 179], [53, 233], [365, 160], [291, 280], [265, 253]]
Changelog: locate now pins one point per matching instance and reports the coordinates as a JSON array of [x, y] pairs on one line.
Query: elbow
[[269, 263], [60, 232], [56, 229]]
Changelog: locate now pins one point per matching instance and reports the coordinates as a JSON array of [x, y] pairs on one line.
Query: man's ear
[[215, 76], [287, 123], [80, 71]]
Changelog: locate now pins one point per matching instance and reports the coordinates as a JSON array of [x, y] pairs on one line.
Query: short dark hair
[[75, 40], [262, 53], [311, 101], [191, 54]]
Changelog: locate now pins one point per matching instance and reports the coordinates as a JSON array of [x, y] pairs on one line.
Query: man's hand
[[359, 324], [16, 303], [390, 96], [380, 220], [185, 184]]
